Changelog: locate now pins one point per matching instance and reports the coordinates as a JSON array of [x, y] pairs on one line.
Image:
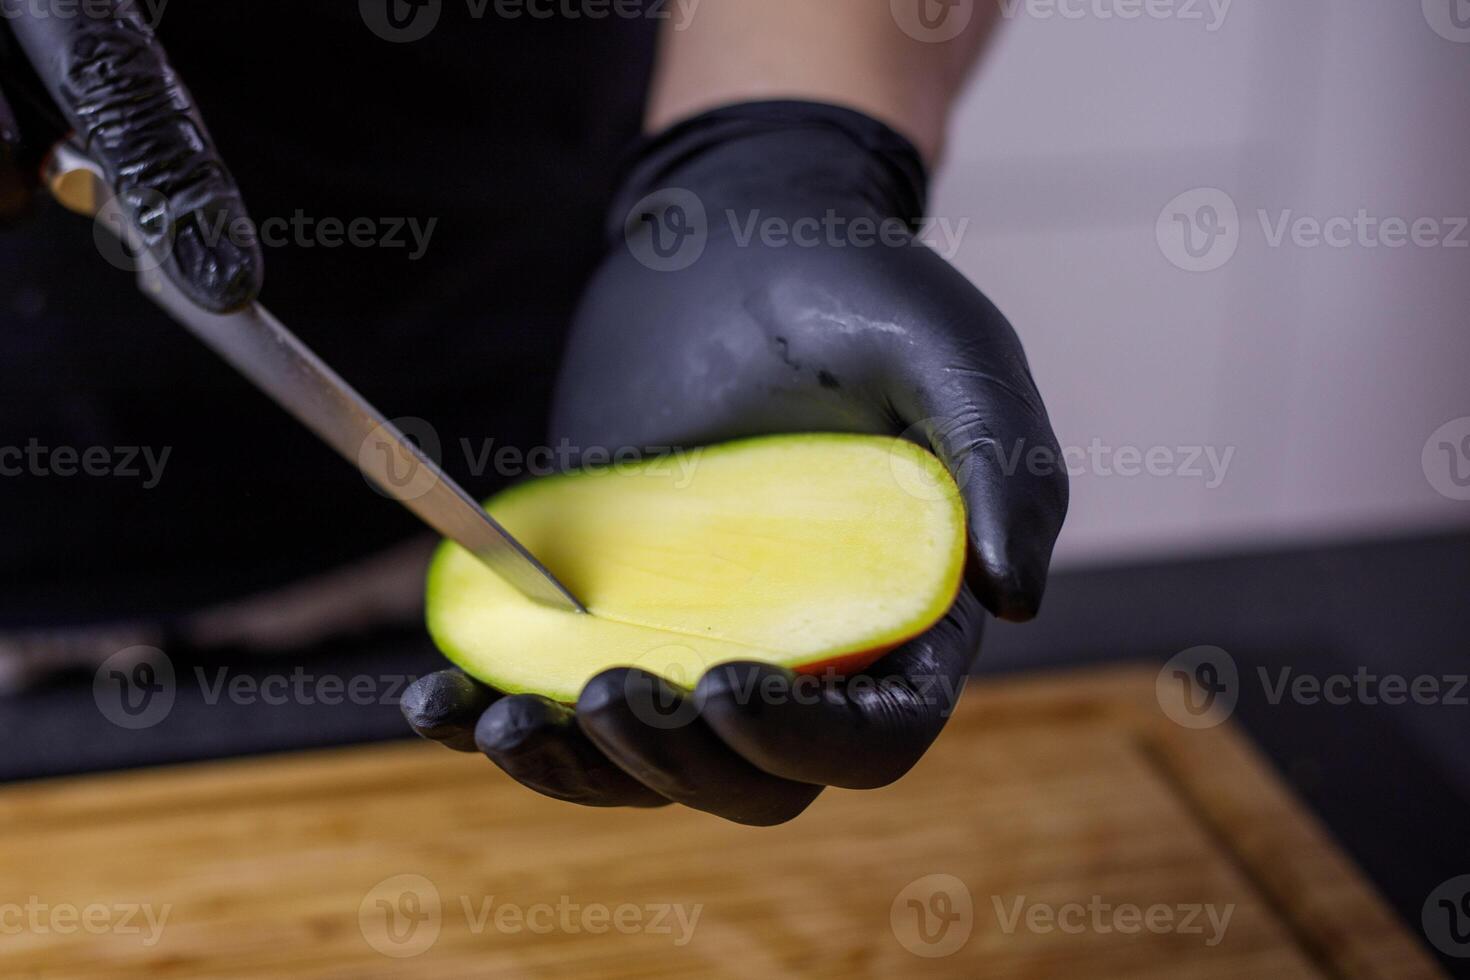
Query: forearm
[[847, 52]]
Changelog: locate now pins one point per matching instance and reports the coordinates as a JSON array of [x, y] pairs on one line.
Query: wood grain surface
[[1061, 827]]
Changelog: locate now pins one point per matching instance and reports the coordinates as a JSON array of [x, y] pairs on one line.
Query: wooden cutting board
[[1062, 827]]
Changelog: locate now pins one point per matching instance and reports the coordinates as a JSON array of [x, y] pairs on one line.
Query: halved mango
[[809, 551]]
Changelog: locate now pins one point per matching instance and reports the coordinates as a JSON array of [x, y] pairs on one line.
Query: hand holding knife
[[272, 358], [140, 160]]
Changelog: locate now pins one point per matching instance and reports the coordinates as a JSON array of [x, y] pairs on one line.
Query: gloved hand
[[106, 79], [705, 324]]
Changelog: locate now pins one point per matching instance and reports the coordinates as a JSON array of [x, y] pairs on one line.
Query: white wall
[[1325, 370]]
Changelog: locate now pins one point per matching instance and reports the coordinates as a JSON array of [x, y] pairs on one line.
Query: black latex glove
[[678, 346], [106, 79]]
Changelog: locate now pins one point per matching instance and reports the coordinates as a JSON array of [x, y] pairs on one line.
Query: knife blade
[[261, 348]]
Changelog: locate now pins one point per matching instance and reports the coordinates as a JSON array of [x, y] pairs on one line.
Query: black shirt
[[478, 161]]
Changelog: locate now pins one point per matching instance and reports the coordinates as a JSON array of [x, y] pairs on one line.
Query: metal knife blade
[[277, 362]]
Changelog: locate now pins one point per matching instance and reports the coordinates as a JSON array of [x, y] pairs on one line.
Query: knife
[[275, 361]]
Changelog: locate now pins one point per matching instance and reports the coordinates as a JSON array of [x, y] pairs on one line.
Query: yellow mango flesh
[[803, 551]]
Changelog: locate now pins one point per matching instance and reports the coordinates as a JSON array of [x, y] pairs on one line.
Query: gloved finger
[[651, 730], [537, 742], [112, 83], [445, 706], [860, 732], [979, 410]]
